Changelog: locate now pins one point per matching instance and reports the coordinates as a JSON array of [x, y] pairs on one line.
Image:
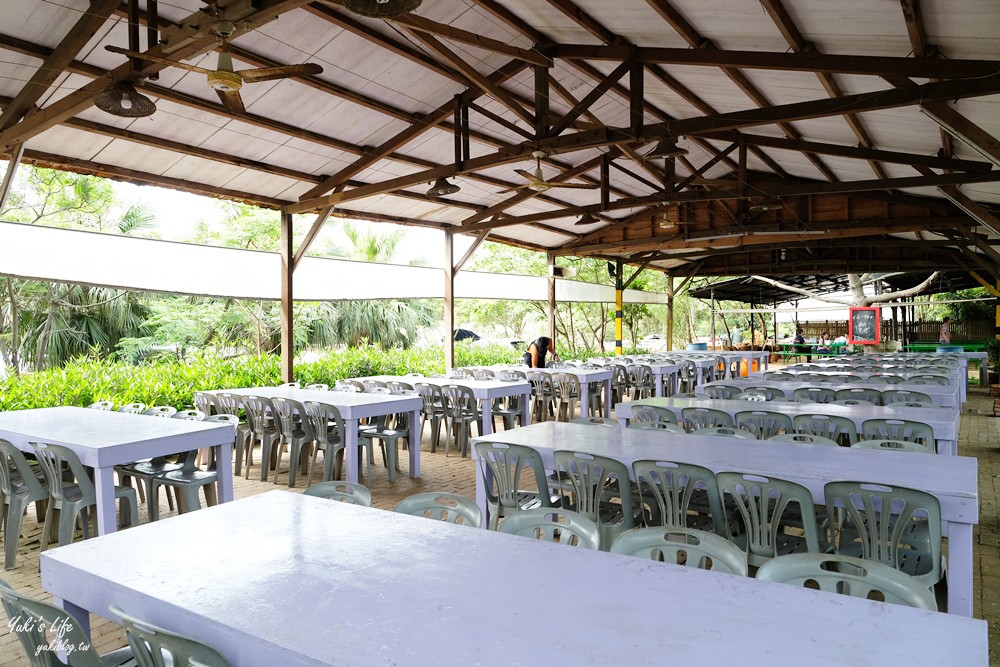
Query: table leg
[[487, 411], [480, 491], [351, 451], [659, 384], [983, 376], [104, 483], [82, 617], [415, 444], [960, 568], [224, 471], [525, 412], [947, 447], [607, 398], [586, 409]]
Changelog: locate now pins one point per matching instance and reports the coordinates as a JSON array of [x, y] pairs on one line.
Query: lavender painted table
[[953, 480], [661, 369], [943, 421], [587, 377], [105, 439], [282, 579], [484, 390], [946, 396], [352, 406]]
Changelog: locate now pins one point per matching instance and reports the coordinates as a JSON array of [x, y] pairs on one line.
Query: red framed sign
[[864, 326]]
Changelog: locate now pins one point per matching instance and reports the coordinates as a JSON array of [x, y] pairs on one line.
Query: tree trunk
[[15, 327], [43, 337]]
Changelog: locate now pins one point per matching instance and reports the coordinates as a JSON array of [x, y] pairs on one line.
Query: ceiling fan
[[537, 182], [226, 81]]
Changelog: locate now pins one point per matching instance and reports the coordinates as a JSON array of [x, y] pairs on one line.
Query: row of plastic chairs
[[41, 626], [884, 378], [820, 394], [438, 505], [765, 424], [897, 527]]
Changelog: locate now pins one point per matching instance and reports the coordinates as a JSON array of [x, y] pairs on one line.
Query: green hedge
[[84, 381]]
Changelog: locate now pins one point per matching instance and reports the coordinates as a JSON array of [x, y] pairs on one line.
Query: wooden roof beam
[[963, 129], [430, 27]]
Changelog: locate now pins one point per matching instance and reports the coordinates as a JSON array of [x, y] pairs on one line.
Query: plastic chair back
[[256, 409], [761, 503], [554, 525], [846, 575], [873, 396], [771, 392], [815, 394], [657, 426], [190, 415], [898, 429], [442, 506], [502, 466], [894, 445], [40, 626], [890, 396], [683, 546], [652, 413], [596, 421], [223, 418], [763, 424], [668, 488], [882, 520], [318, 386], [284, 410], [133, 408], [160, 411], [804, 439], [53, 459], [592, 481], [832, 427], [102, 405], [725, 432], [153, 646], [345, 492], [723, 392], [696, 418]]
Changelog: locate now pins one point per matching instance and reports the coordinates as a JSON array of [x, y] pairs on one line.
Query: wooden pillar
[[670, 312], [8, 178], [619, 308], [550, 310], [449, 301], [287, 316]]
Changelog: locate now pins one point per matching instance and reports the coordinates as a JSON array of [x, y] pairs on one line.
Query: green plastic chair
[[805, 439], [19, 486], [885, 379], [832, 427], [873, 396], [461, 412], [72, 499], [345, 492], [599, 488], [898, 429], [294, 431], [724, 432], [432, 411], [890, 396], [257, 410], [835, 573], [318, 386], [695, 418], [722, 391], [442, 506], [34, 629], [764, 509], [596, 421], [641, 382], [763, 423], [851, 401], [185, 483], [770, 392], [816, 394], [567, 392], [102, 405], [554, 525], [502, 466], [680, 495], [133, 408], [896, 526], [160, 411], [894, 445], [940, 380], [153, 646], [683, 546], [542, 395], [652, 413], [330, 437]]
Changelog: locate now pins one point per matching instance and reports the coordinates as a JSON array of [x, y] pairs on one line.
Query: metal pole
[[619, 309], [449, 301], [287, 302]]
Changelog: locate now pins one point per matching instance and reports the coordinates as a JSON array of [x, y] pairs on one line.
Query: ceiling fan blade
[[525, 174], [578, 186], [513, 189], [231, 100], [157, 59], [282, 72]]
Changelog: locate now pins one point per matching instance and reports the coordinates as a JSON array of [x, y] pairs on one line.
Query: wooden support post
[[287, 302], [541, 101], [619, 308], [636, 96], [550, 311], [449, 301], [8, 178], [670, 312]]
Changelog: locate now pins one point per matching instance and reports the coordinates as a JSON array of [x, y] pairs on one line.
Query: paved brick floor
[[980, 437]]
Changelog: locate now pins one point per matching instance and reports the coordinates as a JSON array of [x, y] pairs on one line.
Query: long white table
[[484, 390], [353, 407], [954, 375], [587, 376], [103, 439], [953, 480], [944, 395], [295, 581], [943, 421]]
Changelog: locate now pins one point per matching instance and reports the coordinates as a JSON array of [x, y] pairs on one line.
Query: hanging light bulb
[[666, 148], [586, 219], [442, 187], [665, 221], [126, 101]]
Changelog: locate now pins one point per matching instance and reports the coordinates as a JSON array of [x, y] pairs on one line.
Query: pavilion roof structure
[[804, 137]]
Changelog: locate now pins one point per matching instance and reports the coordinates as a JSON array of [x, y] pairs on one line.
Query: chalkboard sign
[[863, 327]]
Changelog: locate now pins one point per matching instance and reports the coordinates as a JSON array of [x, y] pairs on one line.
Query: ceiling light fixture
[[382, 9], [122, 99], [587, 219], [666, 148], [442, 187], [766, 206]]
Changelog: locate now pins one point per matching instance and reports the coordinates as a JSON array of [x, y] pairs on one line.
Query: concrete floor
[[980, 437]]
